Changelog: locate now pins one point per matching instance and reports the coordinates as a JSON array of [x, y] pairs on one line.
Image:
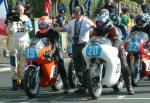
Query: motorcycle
[[40, 71], [104, 66], [138, 57]]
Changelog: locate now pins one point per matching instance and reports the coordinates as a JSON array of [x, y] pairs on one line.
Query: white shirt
[[84, 29]]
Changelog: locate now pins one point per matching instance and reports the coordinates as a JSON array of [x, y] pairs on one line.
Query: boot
[[129, 86], [66, 86], [130, 90]]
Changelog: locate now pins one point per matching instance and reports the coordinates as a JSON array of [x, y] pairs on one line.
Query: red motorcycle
[[40, 71], [138, 56]]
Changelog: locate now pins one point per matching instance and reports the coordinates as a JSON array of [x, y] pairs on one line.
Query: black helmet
[[141, 20]]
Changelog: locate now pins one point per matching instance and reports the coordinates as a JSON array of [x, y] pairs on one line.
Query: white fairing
[[113, 66]]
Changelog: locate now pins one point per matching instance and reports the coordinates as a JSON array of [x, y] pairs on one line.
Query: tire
[[94, 78], [58, 84], [31, 82], [119, 84], [72, 77], [136, 73]]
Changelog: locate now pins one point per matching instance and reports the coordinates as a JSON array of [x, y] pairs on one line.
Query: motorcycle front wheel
[[31, 82], [136, 73], [94, 78], [72, 76]]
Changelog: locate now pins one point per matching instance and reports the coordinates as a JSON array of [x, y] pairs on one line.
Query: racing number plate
[[31, 53], [133, 47], [93, 50]]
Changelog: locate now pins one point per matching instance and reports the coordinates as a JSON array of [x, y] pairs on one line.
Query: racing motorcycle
[[138, 57], [104, 66], [40, 71]]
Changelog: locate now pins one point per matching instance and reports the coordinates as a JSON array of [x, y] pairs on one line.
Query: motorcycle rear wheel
[[31, 82], [72, 76]]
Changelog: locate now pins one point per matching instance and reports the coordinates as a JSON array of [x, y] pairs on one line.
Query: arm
[[60, 29]]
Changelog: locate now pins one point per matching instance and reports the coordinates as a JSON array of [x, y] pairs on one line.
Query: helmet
[[44, 23], [141, 20], [102, 18], [116, 19]]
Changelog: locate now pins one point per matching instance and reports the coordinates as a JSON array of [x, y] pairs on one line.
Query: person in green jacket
[[125, 18]]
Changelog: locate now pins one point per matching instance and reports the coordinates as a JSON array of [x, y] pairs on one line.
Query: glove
[[28, 26], [48, 55]]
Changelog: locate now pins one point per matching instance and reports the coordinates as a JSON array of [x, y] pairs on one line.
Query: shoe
[[66, 92], [80, 91], [131, 92]]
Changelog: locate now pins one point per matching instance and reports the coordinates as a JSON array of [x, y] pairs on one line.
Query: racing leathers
[[112, 33], [54, 38], [18, 40]]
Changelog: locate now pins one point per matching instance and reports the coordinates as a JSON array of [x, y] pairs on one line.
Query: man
[[141, 24], [111, 6], [46, 31], [18, 29], [125, 18], [72, 4], [60, 18], [106, 28], [117, 22], [80, 29]]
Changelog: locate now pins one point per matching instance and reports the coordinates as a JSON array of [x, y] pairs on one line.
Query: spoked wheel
[[31, 81], [94, 80], [136, 73], [72, 77]]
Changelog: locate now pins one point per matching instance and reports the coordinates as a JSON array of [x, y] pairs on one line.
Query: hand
[[48, 55]]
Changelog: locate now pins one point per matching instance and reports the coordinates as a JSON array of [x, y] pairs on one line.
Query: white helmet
[[103, 16]]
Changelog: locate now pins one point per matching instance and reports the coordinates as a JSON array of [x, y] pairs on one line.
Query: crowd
[[81, 28]]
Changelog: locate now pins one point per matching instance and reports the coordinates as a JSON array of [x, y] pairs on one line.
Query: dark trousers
[[79, 63], [61, 67], [126, 71]]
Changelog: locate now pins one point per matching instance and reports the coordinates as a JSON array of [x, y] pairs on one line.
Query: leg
[[126, 72], [13, 63], [80, 65], [63, 71]]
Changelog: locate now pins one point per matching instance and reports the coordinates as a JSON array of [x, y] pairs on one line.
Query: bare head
[[20, 8]]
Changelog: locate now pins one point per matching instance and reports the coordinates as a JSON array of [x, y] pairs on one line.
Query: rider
[[105, 27], [46, 31], [117, 22], [141, 24]]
